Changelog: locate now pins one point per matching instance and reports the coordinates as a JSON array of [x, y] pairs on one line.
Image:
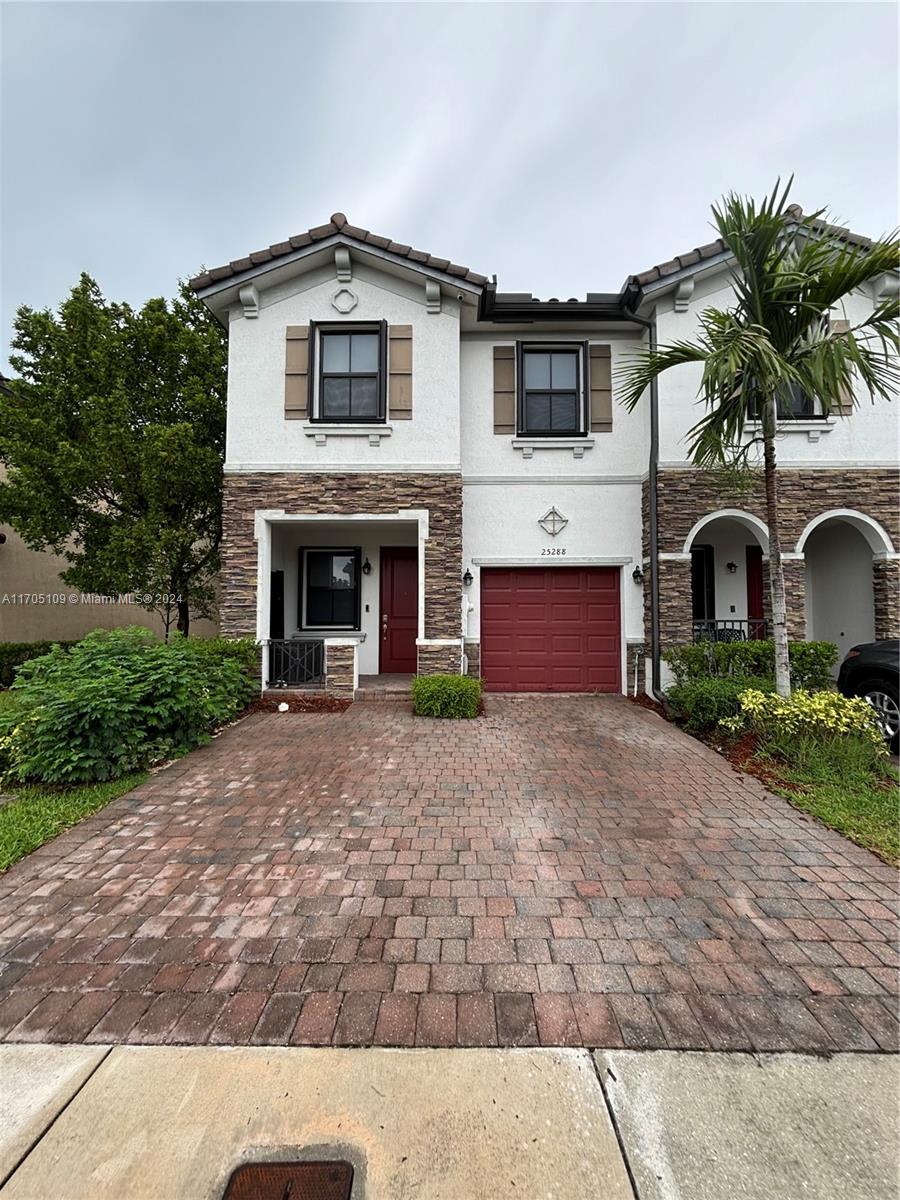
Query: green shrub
[[13, 654], [115, 702], [245, 651], [702, 703], [811, 662], [446, 696]]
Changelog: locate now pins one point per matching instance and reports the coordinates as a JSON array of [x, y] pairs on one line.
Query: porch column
[[675, 609], [263, 533], [794, 568], [886, 589], [341, 667]]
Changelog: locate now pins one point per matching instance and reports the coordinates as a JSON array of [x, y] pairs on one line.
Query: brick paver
[[563, 871]]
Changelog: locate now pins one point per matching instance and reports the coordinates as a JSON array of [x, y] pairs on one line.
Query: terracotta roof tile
[[713, 249], [337, 224]]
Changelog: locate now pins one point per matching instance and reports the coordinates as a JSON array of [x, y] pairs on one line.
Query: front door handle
[[384, 626]]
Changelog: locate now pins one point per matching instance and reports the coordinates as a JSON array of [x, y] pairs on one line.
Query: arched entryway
[[839, 549], [728, 600]]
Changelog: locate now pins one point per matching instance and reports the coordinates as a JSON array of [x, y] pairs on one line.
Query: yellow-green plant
[[783, 723]]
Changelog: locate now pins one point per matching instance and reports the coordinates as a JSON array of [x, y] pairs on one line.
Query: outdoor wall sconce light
[[468, 578], [731, 568], [367, 568], [637, 575]]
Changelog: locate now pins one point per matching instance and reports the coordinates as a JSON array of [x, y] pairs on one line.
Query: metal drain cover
[[291, 1181]]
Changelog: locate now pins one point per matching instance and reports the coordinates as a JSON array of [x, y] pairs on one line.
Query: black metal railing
[[730, 631], [294, 662]]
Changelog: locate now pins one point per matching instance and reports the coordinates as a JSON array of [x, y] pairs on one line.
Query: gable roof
[[338, 224], [713, 249]]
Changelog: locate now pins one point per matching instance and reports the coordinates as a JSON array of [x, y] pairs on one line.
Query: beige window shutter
[[601, 389], [296, 373], [845, 405], [504, 389], [400, 372]]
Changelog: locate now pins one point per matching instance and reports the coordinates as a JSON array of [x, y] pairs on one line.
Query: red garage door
[[550, 630]]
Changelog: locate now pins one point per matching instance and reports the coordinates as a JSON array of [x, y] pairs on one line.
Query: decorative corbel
[[432, 296], [342, 264], [887, 286], [249, 298], [683, 294]]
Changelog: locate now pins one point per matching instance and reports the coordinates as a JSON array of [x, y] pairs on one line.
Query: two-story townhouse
[[424, 474]]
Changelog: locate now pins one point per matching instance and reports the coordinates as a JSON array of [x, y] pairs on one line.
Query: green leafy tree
[[113, 437], [791, 272]]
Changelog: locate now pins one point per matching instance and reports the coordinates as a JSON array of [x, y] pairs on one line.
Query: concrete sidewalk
[[161, 1123]]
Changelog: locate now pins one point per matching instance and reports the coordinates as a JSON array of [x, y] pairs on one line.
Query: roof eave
[[236, 280]]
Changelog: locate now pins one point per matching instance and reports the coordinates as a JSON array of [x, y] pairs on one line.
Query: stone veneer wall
[[339, 670], [473, 654], [347, 493], [686, 495], [439, 660], [886, 584]]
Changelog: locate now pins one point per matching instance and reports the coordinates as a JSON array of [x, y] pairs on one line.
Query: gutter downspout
[[653, 465]]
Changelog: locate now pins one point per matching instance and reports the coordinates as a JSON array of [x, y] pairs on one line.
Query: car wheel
[[885, 699]]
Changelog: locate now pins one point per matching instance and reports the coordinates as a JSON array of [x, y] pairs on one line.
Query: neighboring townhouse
[[425, 474]]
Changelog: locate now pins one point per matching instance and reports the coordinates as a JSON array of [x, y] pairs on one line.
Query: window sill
[[813, 427], [331, 635], [322, 431], [577, 445]]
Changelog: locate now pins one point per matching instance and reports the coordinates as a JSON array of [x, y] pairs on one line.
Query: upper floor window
[[796, 405], [551, 399], [351, 383]]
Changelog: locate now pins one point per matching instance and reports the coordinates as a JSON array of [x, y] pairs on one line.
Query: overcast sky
[[560, 146]]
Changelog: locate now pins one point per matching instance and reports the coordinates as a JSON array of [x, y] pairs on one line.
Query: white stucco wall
[[868, 437], [623, 451], [839, 596], [500, 525], [258, 435]]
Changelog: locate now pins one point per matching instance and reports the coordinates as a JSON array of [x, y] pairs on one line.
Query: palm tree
[[790, 272]]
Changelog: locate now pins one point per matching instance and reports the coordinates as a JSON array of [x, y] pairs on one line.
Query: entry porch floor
[[384, 687]]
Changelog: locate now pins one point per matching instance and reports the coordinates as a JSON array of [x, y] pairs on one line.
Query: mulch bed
[[741, 753], [642, 700], [315, 702]]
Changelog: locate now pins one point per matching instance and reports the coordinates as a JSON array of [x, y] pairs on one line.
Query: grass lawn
[[839, 784], [38, 813], [860, 805]]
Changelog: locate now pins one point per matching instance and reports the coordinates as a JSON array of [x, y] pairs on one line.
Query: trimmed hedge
[[453, 696], [13, 654], [812, 663], [116, 702], [700, 704]]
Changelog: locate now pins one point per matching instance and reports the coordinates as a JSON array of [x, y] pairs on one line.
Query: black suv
[[873, 672]]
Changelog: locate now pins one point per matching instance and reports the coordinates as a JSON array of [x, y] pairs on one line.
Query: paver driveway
[[566, 870]]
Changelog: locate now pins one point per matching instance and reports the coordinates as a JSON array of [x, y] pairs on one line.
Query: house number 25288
[[556, 551]]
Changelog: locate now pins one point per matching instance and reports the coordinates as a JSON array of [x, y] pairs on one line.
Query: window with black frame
[[331, 585], [550, 399], [793, 404], [351, 386]]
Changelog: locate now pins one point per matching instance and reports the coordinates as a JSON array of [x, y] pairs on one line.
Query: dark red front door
[[399, 608], [550, 630]]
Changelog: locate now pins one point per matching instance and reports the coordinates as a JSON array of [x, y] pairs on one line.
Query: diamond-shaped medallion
[[553, 522]]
